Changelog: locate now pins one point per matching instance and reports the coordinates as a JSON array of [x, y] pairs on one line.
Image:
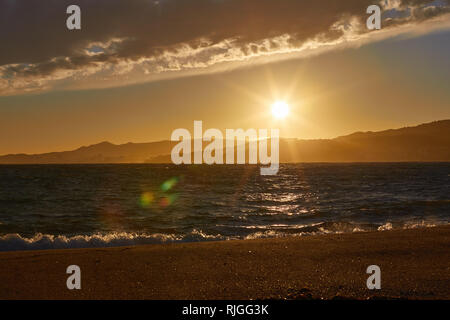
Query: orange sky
[[401, 80]]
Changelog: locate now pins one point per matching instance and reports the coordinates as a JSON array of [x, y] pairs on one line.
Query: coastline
[[415, 264]]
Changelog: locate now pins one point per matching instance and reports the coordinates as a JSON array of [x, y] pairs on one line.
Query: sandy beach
[[415, 264]]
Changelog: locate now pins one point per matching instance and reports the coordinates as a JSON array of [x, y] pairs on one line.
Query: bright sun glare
[[280, 109]]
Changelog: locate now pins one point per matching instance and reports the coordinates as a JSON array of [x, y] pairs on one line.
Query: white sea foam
[[45, 241], [13, 242], [386, 226]]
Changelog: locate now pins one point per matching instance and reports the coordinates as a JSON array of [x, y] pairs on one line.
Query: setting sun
[[280, 109]]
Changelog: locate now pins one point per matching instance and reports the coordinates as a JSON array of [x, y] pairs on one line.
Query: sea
[[80, 206]]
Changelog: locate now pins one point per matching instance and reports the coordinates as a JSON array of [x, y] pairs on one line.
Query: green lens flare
[[169, 184]]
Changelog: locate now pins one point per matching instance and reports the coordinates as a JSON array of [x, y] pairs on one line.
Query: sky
[[137, 70]]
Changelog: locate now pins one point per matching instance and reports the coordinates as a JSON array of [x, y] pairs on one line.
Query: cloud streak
[[131, 41]]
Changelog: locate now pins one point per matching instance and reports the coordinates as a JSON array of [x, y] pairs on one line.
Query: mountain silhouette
[[425, 142]]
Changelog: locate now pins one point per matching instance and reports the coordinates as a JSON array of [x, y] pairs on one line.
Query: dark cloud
[[35, 41]]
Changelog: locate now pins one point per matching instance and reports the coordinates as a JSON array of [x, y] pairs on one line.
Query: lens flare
[[111, 216], [146, 199], [168, 200], [169, 184]]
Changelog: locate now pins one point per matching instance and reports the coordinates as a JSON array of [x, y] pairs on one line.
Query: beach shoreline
[[415, 264]]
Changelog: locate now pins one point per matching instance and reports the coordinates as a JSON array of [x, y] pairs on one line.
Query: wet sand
[[415, 264]]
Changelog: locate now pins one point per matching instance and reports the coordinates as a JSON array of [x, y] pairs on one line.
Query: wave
[[15, 242]]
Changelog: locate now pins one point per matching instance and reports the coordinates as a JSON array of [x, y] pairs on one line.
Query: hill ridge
[[424, 142]]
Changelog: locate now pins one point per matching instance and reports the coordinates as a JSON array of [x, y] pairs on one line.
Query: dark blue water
[[59, 206]]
